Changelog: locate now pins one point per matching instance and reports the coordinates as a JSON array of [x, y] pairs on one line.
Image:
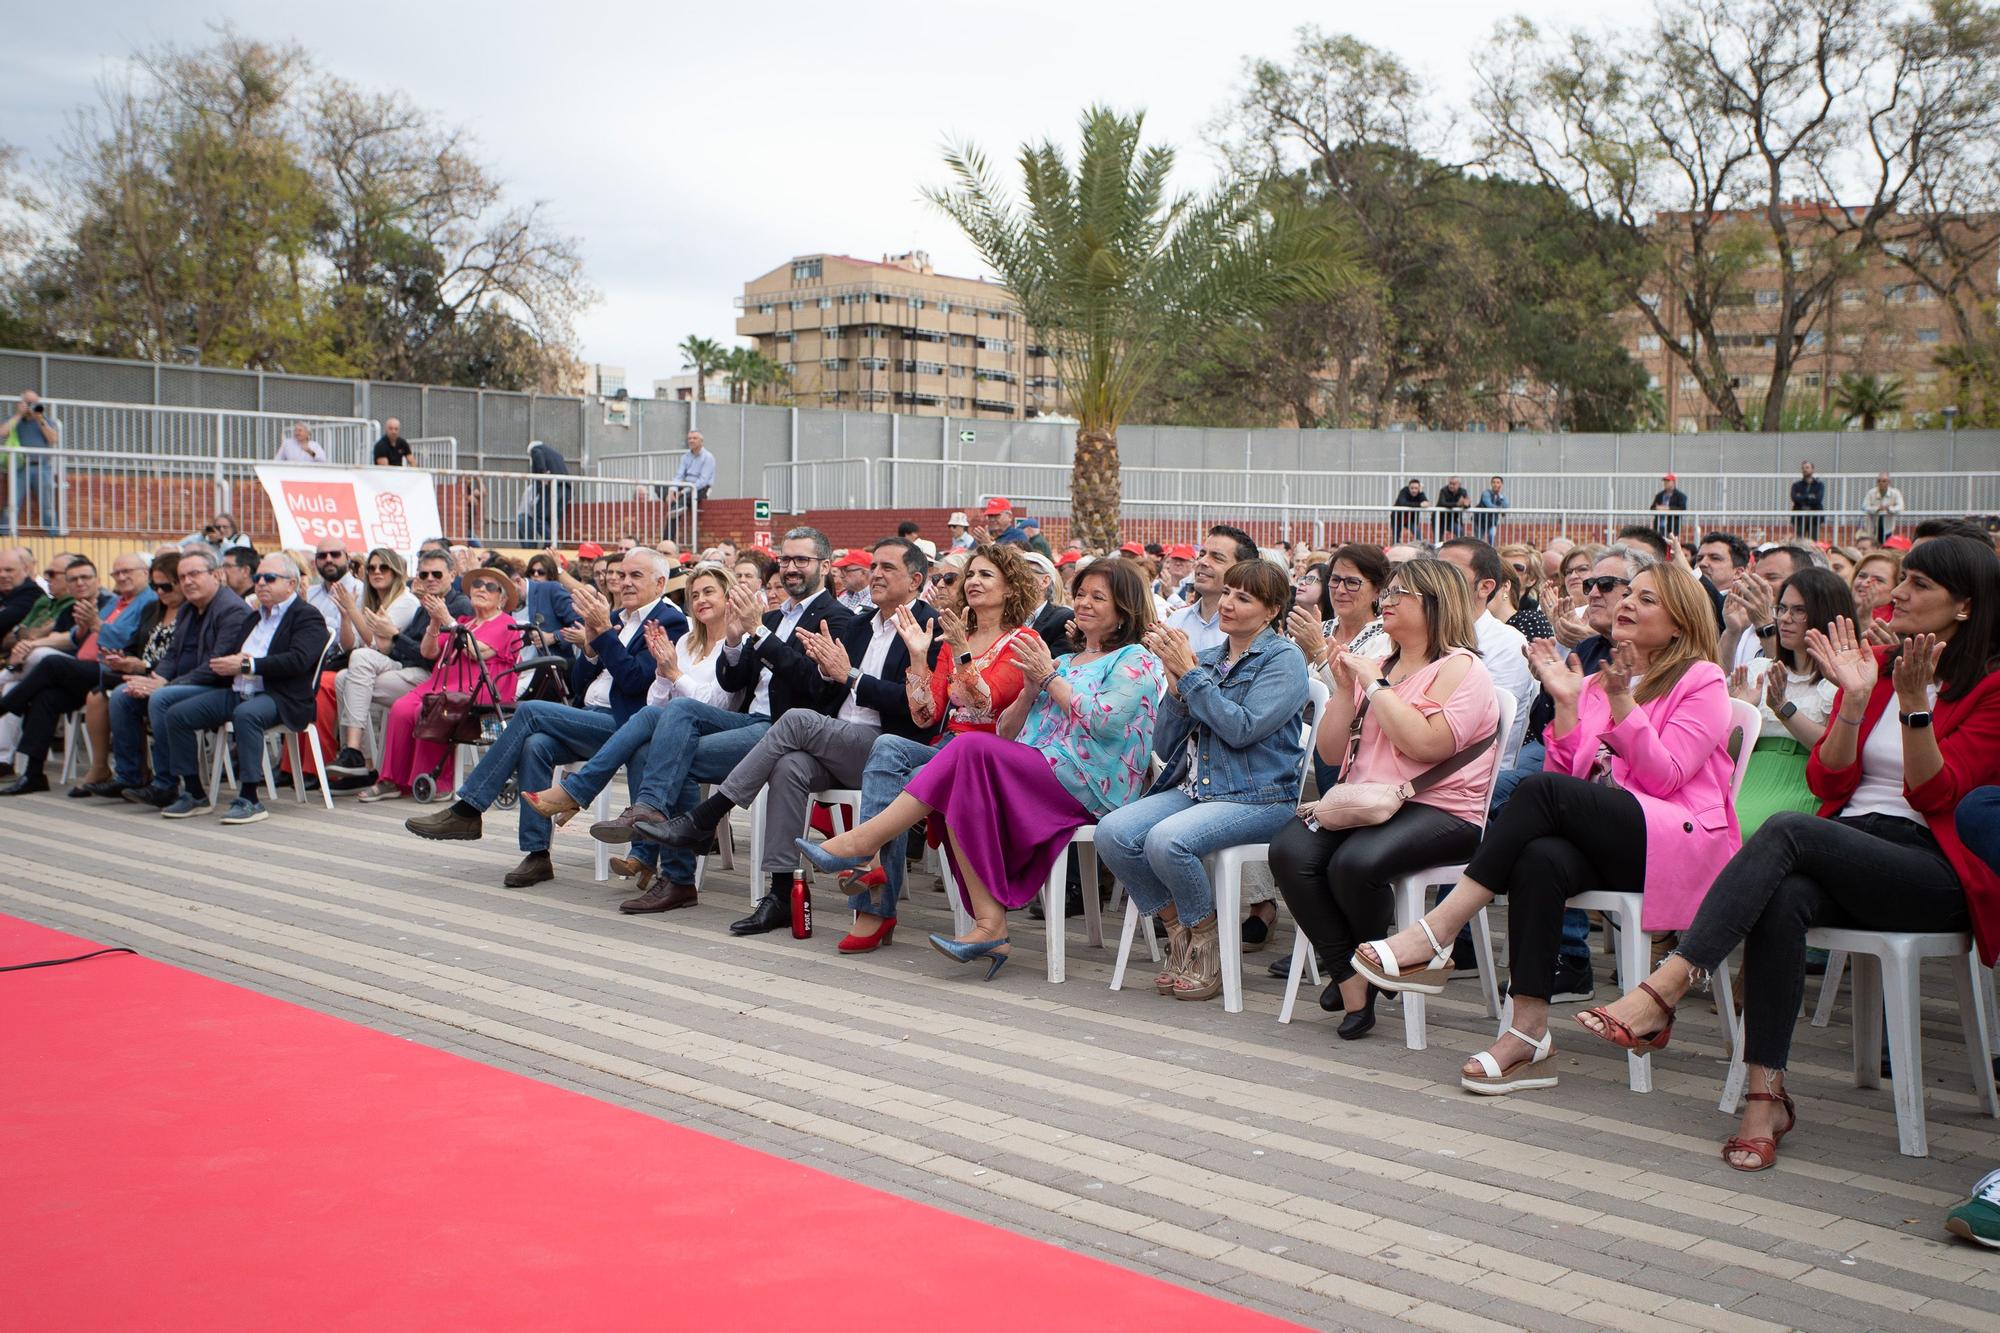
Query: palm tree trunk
[[1094, 488]]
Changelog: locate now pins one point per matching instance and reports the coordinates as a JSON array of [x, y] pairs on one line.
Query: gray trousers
[[802, 753]]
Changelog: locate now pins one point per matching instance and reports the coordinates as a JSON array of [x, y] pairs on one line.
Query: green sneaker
[[1978, 1218]]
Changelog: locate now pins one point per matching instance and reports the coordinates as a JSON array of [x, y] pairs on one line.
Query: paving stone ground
[[1340, 1184]]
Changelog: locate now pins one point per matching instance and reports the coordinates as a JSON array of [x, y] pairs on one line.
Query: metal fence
[[214, 433]]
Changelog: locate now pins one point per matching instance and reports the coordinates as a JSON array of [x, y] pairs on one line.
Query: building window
[[834, 363], [766, 308], [1811, 378], [805, 270], [872, 363], [1850, 340], [916, 303], [958, 404], [826, 303], [1921, 294], [1927, 335], [784, 335], [993, 344], [1649, 342], [1926, 378], [1895, 294], [1815, 337], [1852, 296], [831, 332], [1766, 296], [1689, 384]]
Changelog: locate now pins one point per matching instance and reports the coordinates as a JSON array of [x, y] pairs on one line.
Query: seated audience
[[1883, 853], [1636, 798], [1875, 576], [1502, 650], [58, 682], [1407, 718], [1524, 593], [1199, 619], [374, 672], [1793, 698], [1068, 749], [128, 655], [1228, 734], [1567, 614]]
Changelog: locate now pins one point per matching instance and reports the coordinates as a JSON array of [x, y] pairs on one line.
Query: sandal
[[1496, 1081], [1387, 976], [1764, 1149], [1620, 1035], [555, 804]]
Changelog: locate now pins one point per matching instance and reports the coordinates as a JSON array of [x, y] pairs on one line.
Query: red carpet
[[178, 1153]]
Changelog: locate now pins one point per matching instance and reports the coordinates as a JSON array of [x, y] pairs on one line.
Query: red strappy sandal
[[1764, 1149], [1618, 1034]]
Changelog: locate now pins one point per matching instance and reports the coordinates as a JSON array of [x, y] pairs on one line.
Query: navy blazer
[[631, 669], [289, 668], [884, 693], [795, 680], [216, 631]]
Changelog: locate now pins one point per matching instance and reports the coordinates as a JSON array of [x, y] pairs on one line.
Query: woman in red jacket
[[1882, 854]]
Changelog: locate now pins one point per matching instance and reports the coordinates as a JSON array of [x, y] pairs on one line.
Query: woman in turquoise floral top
[[1082, 735]]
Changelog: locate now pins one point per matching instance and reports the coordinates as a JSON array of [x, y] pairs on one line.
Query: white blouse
[[1814, 697], [1881, 789], [697, 679]]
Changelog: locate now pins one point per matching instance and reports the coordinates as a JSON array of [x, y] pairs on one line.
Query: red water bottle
[[802, 907]]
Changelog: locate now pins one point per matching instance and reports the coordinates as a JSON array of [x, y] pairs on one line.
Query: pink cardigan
[[1670, 754]]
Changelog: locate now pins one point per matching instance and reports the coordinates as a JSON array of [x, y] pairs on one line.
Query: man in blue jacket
[[213, 622], [609, 681], [271, 679]]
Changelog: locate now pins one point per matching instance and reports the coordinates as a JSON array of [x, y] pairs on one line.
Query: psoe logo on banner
[[325, 511]]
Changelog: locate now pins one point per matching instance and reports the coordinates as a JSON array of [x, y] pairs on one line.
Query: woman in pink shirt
[[1636, 795], [1428, 701]]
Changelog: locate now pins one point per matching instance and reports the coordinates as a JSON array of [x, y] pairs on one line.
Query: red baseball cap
[[1180, 551], [687, 557], [589, 551], [1897, 542], [999, 504], [1668, 476], [853, 560], [1069, 557], [1131, 548]]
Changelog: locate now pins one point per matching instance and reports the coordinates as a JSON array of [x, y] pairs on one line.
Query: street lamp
[[1951, 437]]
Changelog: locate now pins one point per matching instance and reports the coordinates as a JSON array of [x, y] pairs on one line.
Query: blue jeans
[[206, 710], [537, 738], [1155, 847], [891, 765], [129, 719], [33, 476], [1979, 824], [1575, 944]]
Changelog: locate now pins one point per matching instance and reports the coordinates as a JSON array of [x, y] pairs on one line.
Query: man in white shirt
[[301, 447], [697, 474], [1884, 505], [1501, 647], [330, 563], [861, 696], [1201, 619]]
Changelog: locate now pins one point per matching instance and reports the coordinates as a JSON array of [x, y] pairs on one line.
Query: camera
[[41, 409]]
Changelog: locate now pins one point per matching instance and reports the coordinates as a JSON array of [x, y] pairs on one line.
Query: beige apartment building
[[893, 335], [1882, 320]]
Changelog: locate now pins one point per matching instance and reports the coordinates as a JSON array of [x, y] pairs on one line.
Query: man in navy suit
[[269, 679], [856, 695], [613, 670], [212, 624]]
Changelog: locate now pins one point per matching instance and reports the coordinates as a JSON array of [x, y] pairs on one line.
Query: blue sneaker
[[187, 805], [242, 810]]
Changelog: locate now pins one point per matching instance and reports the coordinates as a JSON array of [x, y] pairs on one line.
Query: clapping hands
[[827, 653]]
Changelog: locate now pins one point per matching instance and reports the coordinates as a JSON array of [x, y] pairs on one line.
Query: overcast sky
[[692, 148]]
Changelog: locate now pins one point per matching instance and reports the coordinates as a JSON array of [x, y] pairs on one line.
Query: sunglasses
[[270, 578], [324, 556], [163, 587], [433, 574], [944, 580], [489, 585], [381, 569], [1604, 583]]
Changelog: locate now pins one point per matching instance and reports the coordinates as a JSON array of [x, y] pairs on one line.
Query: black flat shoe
[[27, 784], [1362, 1020], [1329, 999]]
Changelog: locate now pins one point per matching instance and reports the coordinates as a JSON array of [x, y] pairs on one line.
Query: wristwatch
[[964, 659], [1379, 683], [1766, 631], [1916, 721], [1785, 713], [853, 677]]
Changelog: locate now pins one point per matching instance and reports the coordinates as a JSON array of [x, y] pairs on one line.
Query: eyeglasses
[[1604, 583], [1391, 595], [433, 574], [197, 574], [270, 578], [489, 585], [1346, 582], [381, 569], [798, 559], [1791, 612]]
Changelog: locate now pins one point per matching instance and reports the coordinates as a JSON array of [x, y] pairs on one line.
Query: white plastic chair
[[1886, 973], [1635, 947], [1410, 891], [1225, 873], [73, 732], [225, 736]]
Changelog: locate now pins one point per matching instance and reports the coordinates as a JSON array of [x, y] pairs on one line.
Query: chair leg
[[298, 765], [220, 765], [1635, 949], [1125, 943], [319, 763], [1409, 907], [1829, 987], [1229, 934], [1732, 1039], [1906, 1051], [600, 810], [1301, 959], [1482, 947], [756, 861], [1053, 921], [1086, 876], [1973, 990], [1867, 1020]]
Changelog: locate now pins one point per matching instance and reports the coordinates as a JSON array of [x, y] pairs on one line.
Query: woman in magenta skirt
[[1073, 746]]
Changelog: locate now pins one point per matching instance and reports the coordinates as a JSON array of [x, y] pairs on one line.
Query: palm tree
[[703, 356], [1115, 277], [740, 365], [1867, 397]]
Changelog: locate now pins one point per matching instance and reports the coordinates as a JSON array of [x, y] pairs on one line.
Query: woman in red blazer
[[1882, 854]]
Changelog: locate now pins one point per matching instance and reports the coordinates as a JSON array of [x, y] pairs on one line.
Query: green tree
[[704, 356], [1867, 397], [1115, 276]]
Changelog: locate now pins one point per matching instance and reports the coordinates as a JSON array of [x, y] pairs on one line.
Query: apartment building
[[893, 335], [1882, 319]]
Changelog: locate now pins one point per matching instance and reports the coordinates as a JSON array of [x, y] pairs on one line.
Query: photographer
[[32, 427]]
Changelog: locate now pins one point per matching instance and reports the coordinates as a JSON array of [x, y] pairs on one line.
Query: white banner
[[362, 508]]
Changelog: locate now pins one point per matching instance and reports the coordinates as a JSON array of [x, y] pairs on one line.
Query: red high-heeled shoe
[[854, 881], [854, 943]]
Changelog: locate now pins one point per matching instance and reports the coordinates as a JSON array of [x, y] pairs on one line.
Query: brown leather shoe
[[620, 829], [662, 897], [534, 868], [444, 825]]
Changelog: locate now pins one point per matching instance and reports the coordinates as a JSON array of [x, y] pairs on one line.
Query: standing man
[[32, 427], [1487, 525], [1452, 499], [1884, 505], [1201, 618], [1411, 497], [1808, 497], [960, 528], [1668, 501], [301, 447], [697, 473], [392, 450]]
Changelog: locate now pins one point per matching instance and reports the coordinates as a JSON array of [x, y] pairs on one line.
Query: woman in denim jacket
[[1228, 733]]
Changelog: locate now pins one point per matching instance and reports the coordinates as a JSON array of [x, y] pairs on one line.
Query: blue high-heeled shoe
[[966, 950], [826, 860]]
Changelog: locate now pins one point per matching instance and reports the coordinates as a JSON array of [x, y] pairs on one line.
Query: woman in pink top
[[1636, 796], [1428, 701]]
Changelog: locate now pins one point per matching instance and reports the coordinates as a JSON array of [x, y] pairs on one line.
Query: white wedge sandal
[[1427, 980], [1515, 1077]]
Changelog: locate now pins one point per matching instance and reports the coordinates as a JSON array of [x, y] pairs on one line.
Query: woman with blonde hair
[[1524, 592], [370, 675], [1635, 795]]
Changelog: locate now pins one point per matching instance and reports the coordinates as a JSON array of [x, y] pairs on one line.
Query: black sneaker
[[1575, 981], [348, 762]]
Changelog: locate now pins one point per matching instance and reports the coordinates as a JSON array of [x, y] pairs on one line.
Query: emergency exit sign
[[763, 512]]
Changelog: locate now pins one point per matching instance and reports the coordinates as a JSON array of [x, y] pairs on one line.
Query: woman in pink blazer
[[1636, 795]]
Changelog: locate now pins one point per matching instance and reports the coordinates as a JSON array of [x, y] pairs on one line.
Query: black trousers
[[56, 684], [1337, 882], [1876, 872], [1557, 836]]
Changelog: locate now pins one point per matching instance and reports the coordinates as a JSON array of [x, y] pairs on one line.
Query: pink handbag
[[1360, 804]]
